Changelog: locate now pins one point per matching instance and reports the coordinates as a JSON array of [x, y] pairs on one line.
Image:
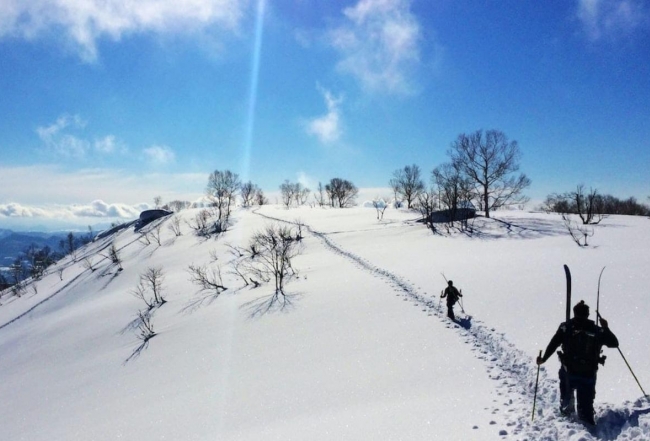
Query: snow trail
[[513, 369]]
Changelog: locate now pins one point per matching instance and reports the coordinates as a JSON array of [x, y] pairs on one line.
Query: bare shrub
[[88, 264], [208, 279], [153, 279], [175, 226], [277, 246]]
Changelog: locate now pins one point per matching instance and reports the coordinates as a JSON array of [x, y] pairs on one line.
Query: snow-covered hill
[[360, 348]]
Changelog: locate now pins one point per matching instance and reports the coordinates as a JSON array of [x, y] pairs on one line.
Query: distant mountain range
[[13, 243]]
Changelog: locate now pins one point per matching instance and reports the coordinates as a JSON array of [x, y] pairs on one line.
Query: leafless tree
[[454, 189], [155, 234], [153, 279], [319, 195], [277, 246], [114, 256], [380, 205], [341, 193], [247, 192], [302, 194], [408, 184], [222, 190], [208, 279], [202, 226], [260, 199], [489, 160], [140, 292], [587, 205], [395, 186], [157, 201], [88, 264], [175, 226], [426, 205], [177, 205], [60, 273]]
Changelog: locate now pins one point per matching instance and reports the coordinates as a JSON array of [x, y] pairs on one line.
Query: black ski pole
[[598, 296], [460, 300], [535, 396], [632, 372], [630, 368]]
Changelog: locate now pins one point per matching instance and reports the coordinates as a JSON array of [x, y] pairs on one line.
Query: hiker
[[452, 295], [581, 340]]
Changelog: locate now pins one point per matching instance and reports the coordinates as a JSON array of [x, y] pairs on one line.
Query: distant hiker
[[452, 295], [581, 340]]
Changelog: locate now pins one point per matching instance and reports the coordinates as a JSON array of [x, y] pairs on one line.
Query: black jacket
[[452, 295], [595, 336]]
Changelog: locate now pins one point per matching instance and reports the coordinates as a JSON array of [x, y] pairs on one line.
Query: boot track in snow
[[514, 369]]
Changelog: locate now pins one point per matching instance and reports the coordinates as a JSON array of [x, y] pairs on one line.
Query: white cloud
[[58, 140], [109, 144], [379, 44], [65, 137], [327, 128], [159, 155], [611, 18], [96, 209], [84, 22], [41, 185]]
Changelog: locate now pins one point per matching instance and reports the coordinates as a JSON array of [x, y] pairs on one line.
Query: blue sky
[[106, 104]]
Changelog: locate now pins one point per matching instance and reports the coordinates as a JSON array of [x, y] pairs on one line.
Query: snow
[[362, 348]]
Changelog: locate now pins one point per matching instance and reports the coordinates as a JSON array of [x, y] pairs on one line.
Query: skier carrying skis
[[581, 340], [452, 295]]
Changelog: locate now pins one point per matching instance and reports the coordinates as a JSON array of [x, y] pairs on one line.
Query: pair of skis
[[567, 274]]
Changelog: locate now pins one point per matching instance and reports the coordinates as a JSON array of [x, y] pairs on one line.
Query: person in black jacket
[[581, 340], [452, 295]]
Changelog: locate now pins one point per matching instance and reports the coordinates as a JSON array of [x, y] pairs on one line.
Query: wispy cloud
[[327, 128], [31, 185], [84, 22], [379, 43], [159, 155], [603, 19], [65, 137]]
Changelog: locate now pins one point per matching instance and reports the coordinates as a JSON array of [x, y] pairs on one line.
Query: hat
[[581, 309]]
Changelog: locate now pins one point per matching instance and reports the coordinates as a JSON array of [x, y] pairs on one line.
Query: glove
[[540, 360]]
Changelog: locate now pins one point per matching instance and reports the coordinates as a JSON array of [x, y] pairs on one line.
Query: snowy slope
[[360, 350]]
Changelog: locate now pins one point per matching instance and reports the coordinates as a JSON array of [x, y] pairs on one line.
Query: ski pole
[[630, 368], [632, 372], [460, 300], [535, 397], [598, 296]]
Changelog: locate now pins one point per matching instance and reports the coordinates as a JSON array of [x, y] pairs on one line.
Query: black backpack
[[581, 350]]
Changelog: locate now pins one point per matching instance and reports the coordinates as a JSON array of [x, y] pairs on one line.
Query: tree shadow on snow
[[137, 352], [276, 302]]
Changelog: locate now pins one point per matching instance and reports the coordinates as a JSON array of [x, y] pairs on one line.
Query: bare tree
[[587, 205], [380, 205], [140, 292], [175, 226], [247, 191], [208, 279], [277, 246], [341, 193], [408, 184], [426, 205], [88, 264], [157, 201], [489, 161], [319, 195], [394, 185], [454, 190], [222, 190], [153, 279], [287, 192], [576, 231], [114, 256], [177, 205], [260, 199]]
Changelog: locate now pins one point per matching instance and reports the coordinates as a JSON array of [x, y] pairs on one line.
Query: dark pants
[[585, 389], [450, 311]]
